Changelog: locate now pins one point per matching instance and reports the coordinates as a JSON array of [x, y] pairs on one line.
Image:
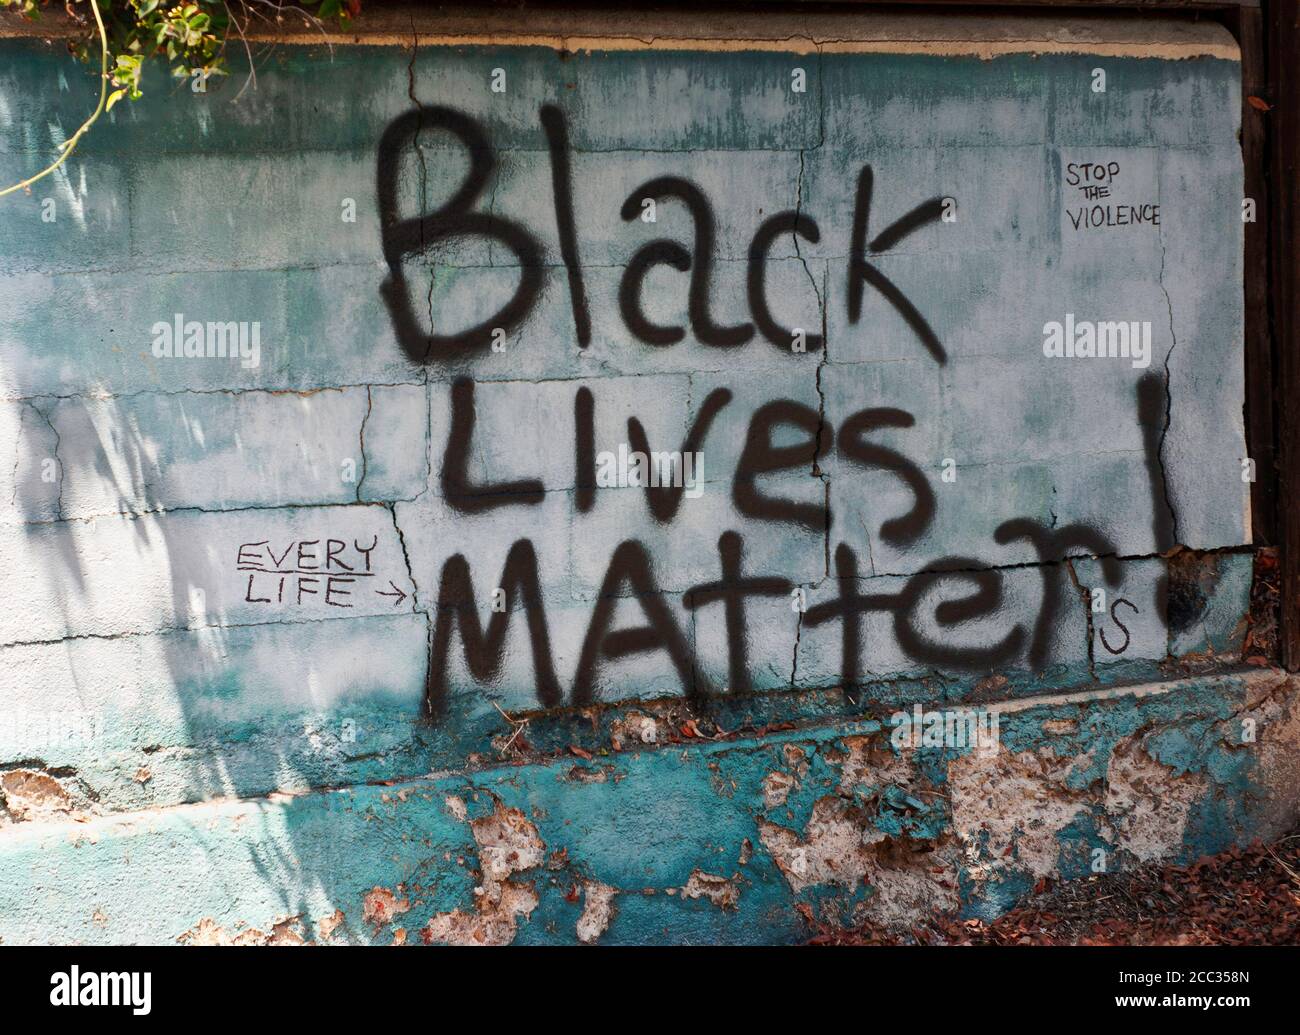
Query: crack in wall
[[794, 660], [97, 395], [365, 466], [1087, 614], [817, 472], [1169, 403], [1012, 566], [173, 630], [406, 557], [153, 513], [58, 464]]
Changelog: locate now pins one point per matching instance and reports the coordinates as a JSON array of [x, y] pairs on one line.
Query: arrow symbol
[[399, 594]]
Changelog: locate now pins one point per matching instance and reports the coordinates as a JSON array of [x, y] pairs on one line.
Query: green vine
[[191, 36]]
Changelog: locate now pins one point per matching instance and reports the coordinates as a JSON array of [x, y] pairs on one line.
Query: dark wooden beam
[[379, 16], [1261, 416], [1283, 27], [1056, 5]]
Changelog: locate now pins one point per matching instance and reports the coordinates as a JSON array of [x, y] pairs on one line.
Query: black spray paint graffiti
[[1122, 627], [456, 218], [459, 219], [629, 575], [333, 575]]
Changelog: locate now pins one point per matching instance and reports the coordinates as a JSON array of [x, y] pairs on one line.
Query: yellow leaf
[[113, 98]]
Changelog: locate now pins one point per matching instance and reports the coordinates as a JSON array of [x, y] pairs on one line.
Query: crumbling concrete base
[[745, 839]]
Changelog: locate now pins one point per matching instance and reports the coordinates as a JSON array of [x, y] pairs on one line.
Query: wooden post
[[1283, 28], [1261, 377]]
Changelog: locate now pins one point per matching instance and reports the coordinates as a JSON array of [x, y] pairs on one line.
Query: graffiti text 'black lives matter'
[[460, 218]]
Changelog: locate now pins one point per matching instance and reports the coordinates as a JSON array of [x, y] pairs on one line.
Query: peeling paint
[[776, 788], [835, 847], [1015, 805], [382, 906], [597, 911], [28, 795], [494, 921], [1147, 802], [508, 843], [285, 931], [328, 925], [723, 892]]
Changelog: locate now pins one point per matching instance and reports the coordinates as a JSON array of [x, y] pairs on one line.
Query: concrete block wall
[[243, 583]]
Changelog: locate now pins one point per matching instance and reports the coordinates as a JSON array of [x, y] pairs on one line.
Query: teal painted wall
[[164, 652]]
